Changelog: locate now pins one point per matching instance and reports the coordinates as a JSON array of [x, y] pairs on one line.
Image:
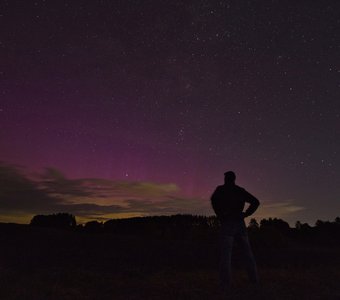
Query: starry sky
[[125, 108]]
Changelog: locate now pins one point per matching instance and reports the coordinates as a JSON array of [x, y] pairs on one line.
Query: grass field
[[38, 263]]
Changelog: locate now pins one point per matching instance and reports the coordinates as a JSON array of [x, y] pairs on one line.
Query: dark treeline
[[59, 220], [267, 232]]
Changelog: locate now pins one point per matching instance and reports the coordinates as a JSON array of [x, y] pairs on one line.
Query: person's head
[[229, 177]]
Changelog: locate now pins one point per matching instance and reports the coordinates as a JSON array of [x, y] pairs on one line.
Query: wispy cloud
[[102, 199], [90, 198], [278, 209]]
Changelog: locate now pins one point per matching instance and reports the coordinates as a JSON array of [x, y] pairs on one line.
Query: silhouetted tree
[[305, 226], [274, 232], [319, 223], [253, 225], [59, 220], [275, 223], [94, 226], [298, 225], [302, 232]]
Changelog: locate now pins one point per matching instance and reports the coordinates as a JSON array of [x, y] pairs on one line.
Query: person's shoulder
[[218, 191], [219, 187], [239, 188]]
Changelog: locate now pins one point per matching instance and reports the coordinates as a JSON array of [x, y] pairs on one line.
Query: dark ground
[[42, 263]]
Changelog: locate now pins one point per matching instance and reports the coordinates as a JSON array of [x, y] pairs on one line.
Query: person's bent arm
[[254, 204]]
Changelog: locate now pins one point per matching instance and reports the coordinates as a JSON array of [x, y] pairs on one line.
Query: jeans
[[235, 230]]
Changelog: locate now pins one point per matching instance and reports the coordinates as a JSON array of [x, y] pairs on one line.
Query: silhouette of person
[[228, 202]]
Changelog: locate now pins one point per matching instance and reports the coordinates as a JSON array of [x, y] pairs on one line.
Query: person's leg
[[249, 258], [225, 260]]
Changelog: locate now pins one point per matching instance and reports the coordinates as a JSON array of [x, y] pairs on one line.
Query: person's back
[[228, 202]]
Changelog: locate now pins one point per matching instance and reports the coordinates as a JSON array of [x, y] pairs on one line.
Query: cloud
[[170, 205], [54, 182], [89, 198], [19, 193], [278, 209], [102, 199]]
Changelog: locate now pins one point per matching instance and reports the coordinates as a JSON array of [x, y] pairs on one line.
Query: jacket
[[228, 202]]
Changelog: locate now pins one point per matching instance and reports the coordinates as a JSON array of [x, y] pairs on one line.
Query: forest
[[266, 232]]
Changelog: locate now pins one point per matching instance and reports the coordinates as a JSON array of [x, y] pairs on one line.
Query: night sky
[[139, 107]]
